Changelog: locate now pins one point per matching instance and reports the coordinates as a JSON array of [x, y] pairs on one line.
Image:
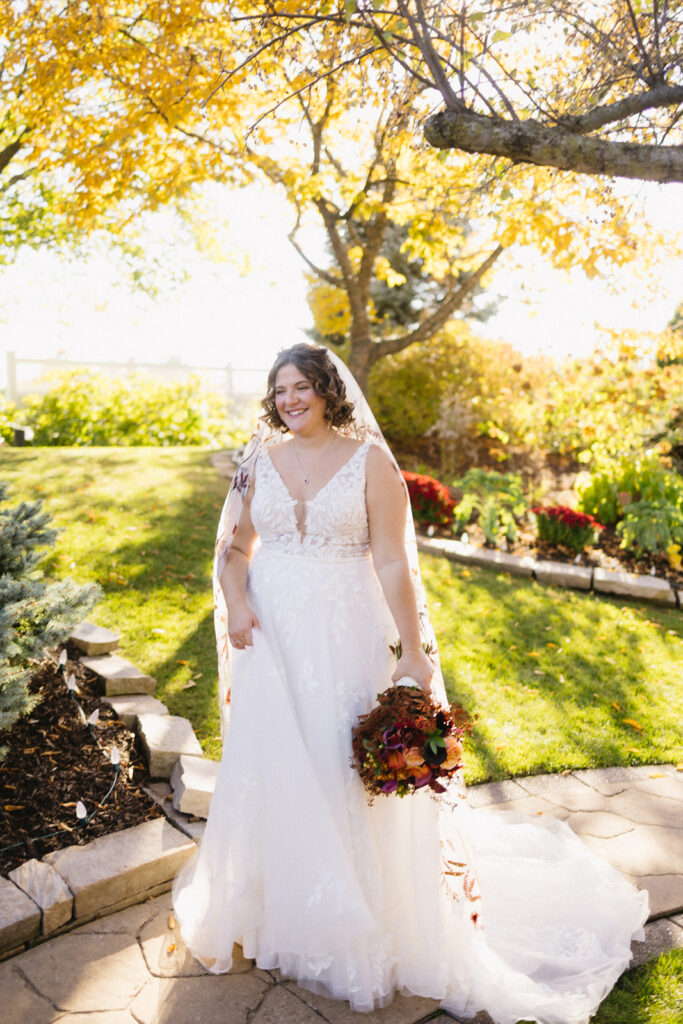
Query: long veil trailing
[[364, 427]]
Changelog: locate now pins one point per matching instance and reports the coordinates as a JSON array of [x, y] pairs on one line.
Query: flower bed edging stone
[[563, 574]]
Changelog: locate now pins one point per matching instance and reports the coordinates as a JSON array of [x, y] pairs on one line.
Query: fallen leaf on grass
[[188, 686], [657, 775], [617, 707], [182, 663], [632, 722]]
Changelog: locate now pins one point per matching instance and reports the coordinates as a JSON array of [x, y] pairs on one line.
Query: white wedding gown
[[476, 909]]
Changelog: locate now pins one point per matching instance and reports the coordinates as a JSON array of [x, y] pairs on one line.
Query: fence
[[240, 386]]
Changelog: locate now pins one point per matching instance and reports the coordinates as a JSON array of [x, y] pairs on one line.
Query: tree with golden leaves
[[572, 84]]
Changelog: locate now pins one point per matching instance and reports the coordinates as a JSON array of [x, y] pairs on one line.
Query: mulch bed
[[54, 761]]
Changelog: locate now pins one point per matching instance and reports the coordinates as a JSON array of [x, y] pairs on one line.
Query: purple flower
[[391, 739], [390, 786]]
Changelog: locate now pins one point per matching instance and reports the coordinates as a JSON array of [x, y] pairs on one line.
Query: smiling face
[[301, 408]]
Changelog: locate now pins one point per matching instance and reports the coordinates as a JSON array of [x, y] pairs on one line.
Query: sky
[[243, 310]]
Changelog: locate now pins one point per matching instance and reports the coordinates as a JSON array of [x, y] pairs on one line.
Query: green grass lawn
[[558, 679]]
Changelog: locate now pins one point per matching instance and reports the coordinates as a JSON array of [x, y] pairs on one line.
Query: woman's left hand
[[416, 665]]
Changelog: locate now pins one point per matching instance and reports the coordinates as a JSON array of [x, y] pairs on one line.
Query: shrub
[[429, 499], [495, 498], [560, 525], [459, 393], [85, 408], [33, 615], [607, 491], [651, 526]]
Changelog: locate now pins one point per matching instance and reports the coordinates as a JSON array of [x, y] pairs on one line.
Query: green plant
[[496, 498], [85, 408], [558, 524], [651, 526], [33, 615], [612, 486]]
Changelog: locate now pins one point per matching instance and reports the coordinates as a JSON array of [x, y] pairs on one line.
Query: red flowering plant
[[558, 524], [408, 742], [430, 500]]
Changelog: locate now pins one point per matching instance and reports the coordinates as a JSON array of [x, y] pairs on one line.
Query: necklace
[[307, 473]]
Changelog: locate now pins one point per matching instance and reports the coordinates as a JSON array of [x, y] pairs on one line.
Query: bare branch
[[661, 96], [534, 143], [436, 320]]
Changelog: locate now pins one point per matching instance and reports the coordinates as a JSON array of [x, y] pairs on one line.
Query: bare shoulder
[[380, 464]]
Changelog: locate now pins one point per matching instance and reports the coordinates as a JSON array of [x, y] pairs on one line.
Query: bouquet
[[408, 742]]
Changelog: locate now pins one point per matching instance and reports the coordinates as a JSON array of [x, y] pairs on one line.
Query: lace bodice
[[334, 522]]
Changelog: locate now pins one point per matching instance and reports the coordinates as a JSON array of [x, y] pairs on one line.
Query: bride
[[315, 577]]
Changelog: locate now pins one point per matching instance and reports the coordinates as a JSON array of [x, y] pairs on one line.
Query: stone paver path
[[131, 967]]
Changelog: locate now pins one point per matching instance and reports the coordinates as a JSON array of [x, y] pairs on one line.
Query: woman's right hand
[[241, 621]]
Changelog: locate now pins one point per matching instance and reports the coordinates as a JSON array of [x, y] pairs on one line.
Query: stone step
[[119, 676], [121, 868], [19, 917], [164, 738], [193, 780], [94, 639], [129, 706], [162, 795], [48, 890]]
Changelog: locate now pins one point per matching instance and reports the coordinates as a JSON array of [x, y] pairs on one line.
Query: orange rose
[[421, 772], [395, 759], [453, 752], [413, 757]]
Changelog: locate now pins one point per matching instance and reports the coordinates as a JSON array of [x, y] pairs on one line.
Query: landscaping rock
[[124, 865], [48, 890], [19, 916], [517, 565], [165, 738], [193, 780], [162, 794], [629, 584], [665, 892], [128, 707], [119, 676], [564, 575], [94, 639]]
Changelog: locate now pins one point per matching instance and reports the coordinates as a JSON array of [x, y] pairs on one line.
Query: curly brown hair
[[314, 363]]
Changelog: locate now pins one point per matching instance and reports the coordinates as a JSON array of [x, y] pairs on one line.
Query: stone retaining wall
[[561, 574]]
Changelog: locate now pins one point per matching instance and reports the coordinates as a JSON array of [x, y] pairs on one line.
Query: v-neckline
[[309, 501]]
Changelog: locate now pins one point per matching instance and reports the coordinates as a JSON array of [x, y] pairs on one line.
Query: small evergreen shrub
[[653, 526], [560, 525], [495, 499], [430, 500], [34, 615], [607, 492]]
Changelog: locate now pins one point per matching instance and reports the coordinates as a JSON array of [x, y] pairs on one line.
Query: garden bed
[[54, 761], [606, 553]]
